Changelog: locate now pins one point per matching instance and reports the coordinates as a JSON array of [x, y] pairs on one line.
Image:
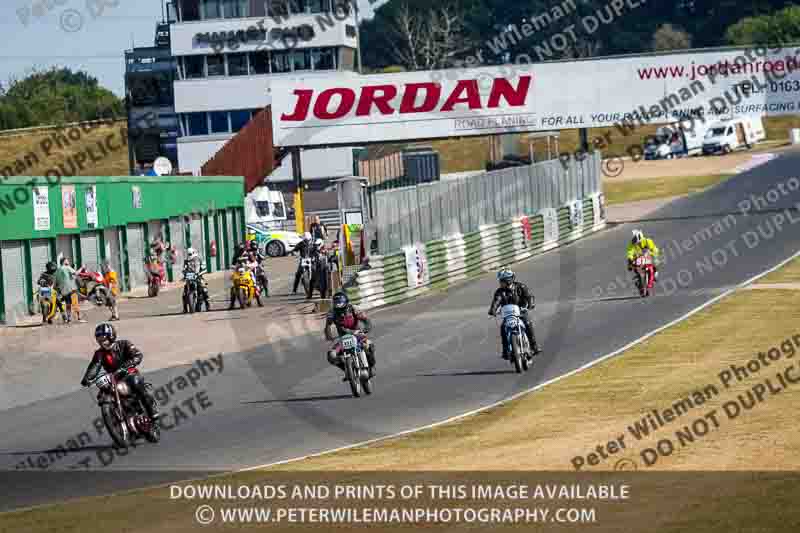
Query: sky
[[90, 35]]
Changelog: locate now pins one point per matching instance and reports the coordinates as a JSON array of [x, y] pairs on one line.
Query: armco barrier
[[459, 257]]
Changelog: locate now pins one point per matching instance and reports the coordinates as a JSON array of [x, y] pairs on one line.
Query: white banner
[[416, 266], [41, 209], [91, 206], [347, 109], [576, 215], [550, 216]]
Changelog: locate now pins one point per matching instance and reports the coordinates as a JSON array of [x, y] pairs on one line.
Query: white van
[[728, 135], [266, 216]]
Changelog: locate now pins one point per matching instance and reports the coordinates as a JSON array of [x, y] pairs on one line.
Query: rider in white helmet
[[304, 250]]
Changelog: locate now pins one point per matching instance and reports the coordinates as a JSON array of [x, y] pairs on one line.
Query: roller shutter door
[[113, 251], [64, 247], [154, 230], [13, 281], [197, 236], [136, 255], [90, 251], [231, 240], [177, 238], [40, 255]]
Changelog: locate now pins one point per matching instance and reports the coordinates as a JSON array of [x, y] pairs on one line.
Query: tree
[[669, 37], [780, 27]]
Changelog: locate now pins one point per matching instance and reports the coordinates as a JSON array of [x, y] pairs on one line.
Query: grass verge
[[618, 192], [548, 429]]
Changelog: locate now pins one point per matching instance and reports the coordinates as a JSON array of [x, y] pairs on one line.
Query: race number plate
[[191, 276], [349, 342]]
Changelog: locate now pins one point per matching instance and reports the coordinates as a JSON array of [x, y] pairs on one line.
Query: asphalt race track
[[437, 356]]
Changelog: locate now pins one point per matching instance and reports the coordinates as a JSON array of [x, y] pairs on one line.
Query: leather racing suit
[[346, 322]]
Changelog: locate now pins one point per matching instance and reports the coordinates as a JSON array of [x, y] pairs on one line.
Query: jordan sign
[[622, 92]]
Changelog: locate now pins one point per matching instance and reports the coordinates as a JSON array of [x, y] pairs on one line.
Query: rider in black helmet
[[346, 317], [114, 355], [517, 293]]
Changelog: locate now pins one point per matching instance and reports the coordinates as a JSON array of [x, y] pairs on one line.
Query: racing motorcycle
[[47, 302], [644, 269], [194, 293], [356, 366], [245, 289], [262, 282], [124, 415], [306, 270], [91, 286], [516, 338]]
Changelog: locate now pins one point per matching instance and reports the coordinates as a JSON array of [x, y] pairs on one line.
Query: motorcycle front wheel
[[117, 429], [516, 356], [353, 378]]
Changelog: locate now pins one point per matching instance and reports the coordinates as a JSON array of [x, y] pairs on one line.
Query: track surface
[[437, 356]]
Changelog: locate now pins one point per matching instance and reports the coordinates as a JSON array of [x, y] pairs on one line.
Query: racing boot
[[371, 359]]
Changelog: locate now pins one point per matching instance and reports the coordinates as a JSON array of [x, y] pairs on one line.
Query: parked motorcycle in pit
[[644, 270], [92, 286], [516, 339], [306, 270], [194, 293], [124, 415], [356, 366], [155, 277]]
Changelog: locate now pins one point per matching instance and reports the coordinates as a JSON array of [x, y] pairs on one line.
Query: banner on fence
[[550, 219], [576, 214], [416, 266]]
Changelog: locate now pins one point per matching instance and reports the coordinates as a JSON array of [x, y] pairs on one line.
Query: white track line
[[457, 417]]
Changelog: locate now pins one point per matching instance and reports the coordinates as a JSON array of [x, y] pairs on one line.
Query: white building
[[227, 52]]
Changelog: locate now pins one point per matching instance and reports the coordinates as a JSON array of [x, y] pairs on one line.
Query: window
[[237, 64], [262, 208], [198, 123], [301, 59], [235, 8], [277, 210], [280, 62], [323, 59], [194, 67], [219, 122], [317, 6], [209, 9], [298, 6], [239, 119], [216, 65], [277, 8], [189, 10], [259, 62]]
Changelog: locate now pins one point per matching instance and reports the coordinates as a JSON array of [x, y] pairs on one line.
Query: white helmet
[[319, 242], [306, 236], [191, 253], [638, 236]]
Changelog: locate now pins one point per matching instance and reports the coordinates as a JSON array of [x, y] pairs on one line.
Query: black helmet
[[340, 301], [105, 334], [51, 267]]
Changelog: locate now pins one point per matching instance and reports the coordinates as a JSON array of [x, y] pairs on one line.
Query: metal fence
[[431, 211]]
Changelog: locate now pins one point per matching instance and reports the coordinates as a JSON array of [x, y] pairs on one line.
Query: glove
[[84, 382]]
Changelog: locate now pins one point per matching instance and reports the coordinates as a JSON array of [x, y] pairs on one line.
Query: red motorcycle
[[156, 276], [645, 274], [92, 286]]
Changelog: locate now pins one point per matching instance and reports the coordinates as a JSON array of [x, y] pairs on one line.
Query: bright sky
[[99, 33]]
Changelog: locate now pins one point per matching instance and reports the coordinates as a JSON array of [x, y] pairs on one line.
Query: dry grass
[[618, 192], [29, 155]]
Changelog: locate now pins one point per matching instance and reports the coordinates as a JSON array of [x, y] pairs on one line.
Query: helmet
[[319, 243], [191, 253], [306, 236], [506, 276], [105, 335], [253, 246], [51, 267], [340, 301], [638, 236]]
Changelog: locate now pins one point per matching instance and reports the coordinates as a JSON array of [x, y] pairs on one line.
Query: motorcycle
[[306, 268], [261, 279], [92, 286], [194, 294], [320, 277], [47, 303], [155, 277], [645, 274], [517, 338], [123, 414], [356, 366], [245, 289]]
